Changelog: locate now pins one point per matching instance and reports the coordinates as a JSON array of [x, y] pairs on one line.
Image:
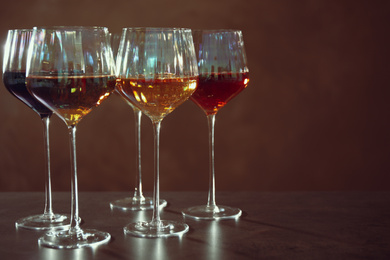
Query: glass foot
[[211, 213], [70, 239], [136, 203], [44, 222], [165, 228]]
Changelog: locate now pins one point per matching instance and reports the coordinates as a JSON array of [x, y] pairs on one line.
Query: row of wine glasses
[[70, 70], [223, 74]]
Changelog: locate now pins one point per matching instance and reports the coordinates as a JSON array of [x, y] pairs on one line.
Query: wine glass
[[14, 79], [71, 71], [138, 201], [223, 73], [156, 72], [114, 42]]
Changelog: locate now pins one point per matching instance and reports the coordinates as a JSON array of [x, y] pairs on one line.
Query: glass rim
[[69, 28], [217, 30], [21, 30], [157, 28]]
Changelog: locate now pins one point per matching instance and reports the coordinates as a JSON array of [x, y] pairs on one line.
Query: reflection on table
[[278, 225]]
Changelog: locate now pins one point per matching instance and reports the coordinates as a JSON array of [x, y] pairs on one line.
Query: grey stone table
[[274, 225]]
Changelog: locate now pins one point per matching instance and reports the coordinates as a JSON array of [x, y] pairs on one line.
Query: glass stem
[[138, 189], [156, 222], [48, 211], [75, 220], [211, 198]]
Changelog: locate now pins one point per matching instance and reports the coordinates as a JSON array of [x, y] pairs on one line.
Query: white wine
[[157, 97]]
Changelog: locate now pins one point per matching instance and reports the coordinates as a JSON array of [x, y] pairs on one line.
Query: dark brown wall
[[314, 117]]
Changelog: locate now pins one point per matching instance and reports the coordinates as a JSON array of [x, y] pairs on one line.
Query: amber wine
[[157, 97], [71, 97]]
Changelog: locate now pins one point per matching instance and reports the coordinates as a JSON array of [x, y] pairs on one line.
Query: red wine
[[216, 89], [15, 82], [71, 97]]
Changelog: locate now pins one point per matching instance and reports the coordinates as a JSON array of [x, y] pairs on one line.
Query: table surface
[[274, 225]]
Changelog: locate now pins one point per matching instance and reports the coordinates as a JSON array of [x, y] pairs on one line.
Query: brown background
[[315, 115]]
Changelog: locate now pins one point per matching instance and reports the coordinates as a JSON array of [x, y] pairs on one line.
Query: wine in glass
[[223, 74], [138, 201], [71, 71], [156, 72], [14, 79]]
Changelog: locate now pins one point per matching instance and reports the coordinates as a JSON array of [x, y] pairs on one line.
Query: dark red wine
[[216, 89], [15, 82], [71, 97]]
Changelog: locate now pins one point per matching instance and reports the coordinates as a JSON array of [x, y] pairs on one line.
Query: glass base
[[136, 203], [212, 213], [44, 222], [69, 239], [166, 228]]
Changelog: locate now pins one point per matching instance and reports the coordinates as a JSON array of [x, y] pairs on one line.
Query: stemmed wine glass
[[14, 79], [138, 201], [156, 72], [223, 73], [71, 71]]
